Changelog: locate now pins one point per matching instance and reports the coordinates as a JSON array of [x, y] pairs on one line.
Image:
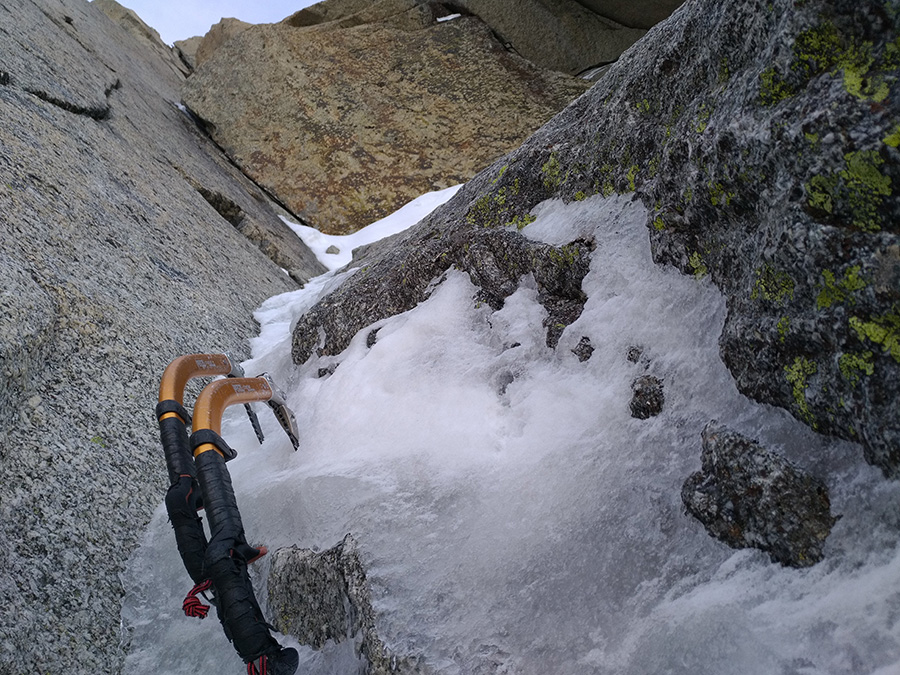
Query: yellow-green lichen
[[797, 375], [822, 49], [839, 290], [643, 107], [696, 263], [724, 73], [521, 221], [495, 209], [893, 138], [772, 88], [883, 330], [817, 49], [867, 188], [820, 192], [859, 81], [552, 172], [854, 366], [659, 224], [784, 326], [773, 285], [860, 187], [702, 118], [631, 176], [719, 196]]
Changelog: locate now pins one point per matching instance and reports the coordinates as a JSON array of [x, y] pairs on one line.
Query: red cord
[[192, 605]]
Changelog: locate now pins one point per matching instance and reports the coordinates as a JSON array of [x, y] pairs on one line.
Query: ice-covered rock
[[748, 496]]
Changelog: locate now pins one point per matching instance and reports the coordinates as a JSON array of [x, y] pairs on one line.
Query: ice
[[512, 512]]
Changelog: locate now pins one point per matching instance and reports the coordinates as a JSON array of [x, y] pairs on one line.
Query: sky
[[181, 19]]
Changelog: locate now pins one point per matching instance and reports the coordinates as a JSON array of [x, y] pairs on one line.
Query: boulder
[[324, 596], [748, 496], [563, 35], [115, 259], [647, 397], [344, 140], [763, 140]]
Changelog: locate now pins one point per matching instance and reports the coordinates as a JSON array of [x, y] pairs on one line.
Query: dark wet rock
[[647, 397], [584, 349], [634, 354], [322, 596], [396, 278], [748, 496]]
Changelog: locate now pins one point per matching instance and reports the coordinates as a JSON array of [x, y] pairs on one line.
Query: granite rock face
[[748, 496], [348, 120], [763, 139], [562, 35], [218, 35], [132, 23], [322, 596], [113, 262], [641, 14]]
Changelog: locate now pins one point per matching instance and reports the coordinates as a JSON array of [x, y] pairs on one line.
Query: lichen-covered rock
[[647, 397], [748, 496], [763, 138], [348, 120], [400, 276], [322, 596]]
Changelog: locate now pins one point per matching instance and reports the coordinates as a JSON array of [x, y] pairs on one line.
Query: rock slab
[[115, 259]]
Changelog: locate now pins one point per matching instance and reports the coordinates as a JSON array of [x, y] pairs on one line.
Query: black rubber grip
[[177, 448], [238, 610], [203, 436], [171, 406]]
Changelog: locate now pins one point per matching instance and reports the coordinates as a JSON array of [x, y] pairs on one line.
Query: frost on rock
[[748, 496], [322, 596]]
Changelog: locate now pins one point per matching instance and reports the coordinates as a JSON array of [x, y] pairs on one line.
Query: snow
[[408, 215], [511, 511]]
